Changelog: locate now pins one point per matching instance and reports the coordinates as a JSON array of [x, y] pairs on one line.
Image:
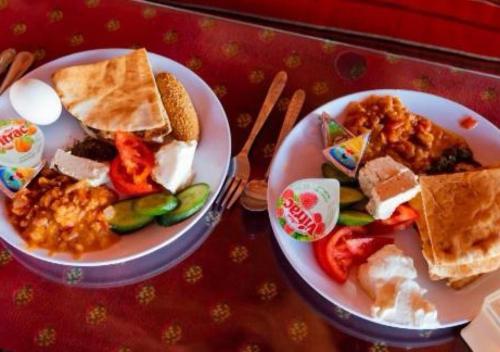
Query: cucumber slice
[[354, 218], [155, 204], [349, 196], [330, 171], [123, 219], [191, 200]]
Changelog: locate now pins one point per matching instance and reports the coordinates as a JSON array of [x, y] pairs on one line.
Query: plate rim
[[227, 131], [272, 220]]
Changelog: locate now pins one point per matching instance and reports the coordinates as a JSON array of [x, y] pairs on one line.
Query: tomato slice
[[137, 159], [124, 182], [403, 225], [338, 256], [319, 249], [402, 213], [345, 247], [130, 171], [332, 254], [363, 247]]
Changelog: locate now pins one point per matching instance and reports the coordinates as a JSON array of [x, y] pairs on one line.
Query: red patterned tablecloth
[[230, 295]]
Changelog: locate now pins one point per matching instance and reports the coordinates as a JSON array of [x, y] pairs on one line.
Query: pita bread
[[453, 271], [119, 94], [462, 213], [457, 284]]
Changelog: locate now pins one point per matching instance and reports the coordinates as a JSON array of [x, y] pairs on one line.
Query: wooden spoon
[[254, 196], [6, 58], [20, 65]]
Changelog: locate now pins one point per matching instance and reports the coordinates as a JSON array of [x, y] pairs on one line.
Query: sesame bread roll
[[180, 109]]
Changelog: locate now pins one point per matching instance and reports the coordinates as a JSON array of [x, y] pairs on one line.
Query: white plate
[[304, 143], [210, 163]]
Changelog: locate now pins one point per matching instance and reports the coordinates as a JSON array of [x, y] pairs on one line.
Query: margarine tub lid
[[308, 209], [21, 144]]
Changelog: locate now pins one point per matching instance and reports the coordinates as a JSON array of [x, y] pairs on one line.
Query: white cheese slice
[[401, 301], [173, 163], [388, 277], [387, 195], [388, 184], [376, 171], [94, 172], [389, 261]]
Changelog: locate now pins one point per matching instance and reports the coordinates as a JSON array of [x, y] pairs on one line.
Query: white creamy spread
[[94, 172], [388, 277], [388, 184], [173, 163]]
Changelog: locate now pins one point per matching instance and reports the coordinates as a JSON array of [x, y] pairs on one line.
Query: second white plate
[[210, 164], [304, 143]]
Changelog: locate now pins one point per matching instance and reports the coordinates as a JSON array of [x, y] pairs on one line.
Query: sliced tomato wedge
[[403, 213], [124, 182], [137, 159], [363, 247], [130, 171], [403, 218], [338, 256], [332, 260], [319, 249], [345, 247], [332, 253]]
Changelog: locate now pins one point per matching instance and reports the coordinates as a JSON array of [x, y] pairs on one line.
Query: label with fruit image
[[21, 148], [308, 209], [21, 143]]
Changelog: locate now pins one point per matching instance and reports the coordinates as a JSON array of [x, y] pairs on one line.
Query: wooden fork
[[240, 164]]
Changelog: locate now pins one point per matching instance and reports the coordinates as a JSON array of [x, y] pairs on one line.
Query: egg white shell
[[35, 101]]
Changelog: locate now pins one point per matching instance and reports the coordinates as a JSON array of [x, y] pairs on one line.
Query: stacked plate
[[153, 249]]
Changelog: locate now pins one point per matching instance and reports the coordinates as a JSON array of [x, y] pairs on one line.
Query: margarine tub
[[21, 148]]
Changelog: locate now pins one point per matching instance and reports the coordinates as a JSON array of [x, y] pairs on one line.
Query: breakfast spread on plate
[[397, 169], [133, 167]]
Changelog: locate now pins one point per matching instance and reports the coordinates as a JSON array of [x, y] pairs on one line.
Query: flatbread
[[462, 213], [457, 284], [119, 94], [458, 275], [416, 203]]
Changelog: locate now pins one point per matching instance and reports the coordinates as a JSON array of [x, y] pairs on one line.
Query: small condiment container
[[347, 155], [308, 209], [21, 148], [483, 333]]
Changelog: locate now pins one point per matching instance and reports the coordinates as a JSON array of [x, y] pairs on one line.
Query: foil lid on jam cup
[[21, 148], [308, 209]]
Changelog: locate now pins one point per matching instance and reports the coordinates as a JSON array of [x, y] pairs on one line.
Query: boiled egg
[[35, 101]]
